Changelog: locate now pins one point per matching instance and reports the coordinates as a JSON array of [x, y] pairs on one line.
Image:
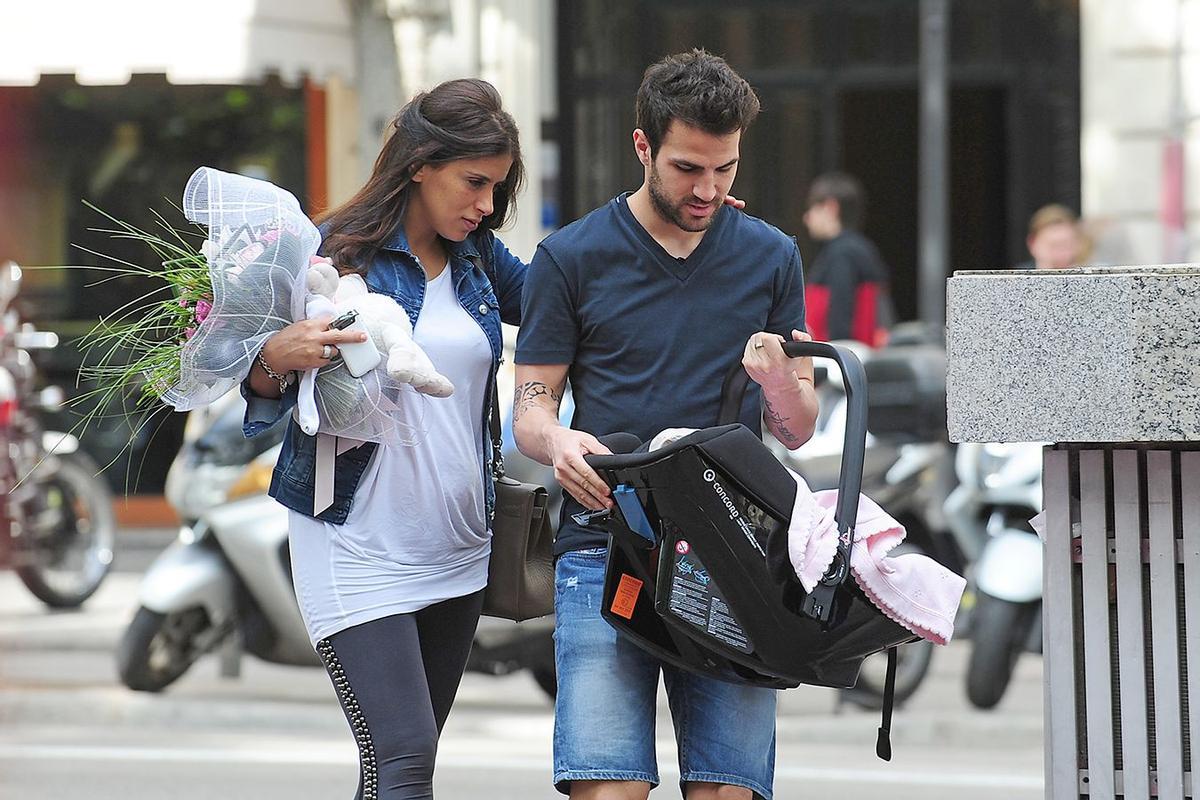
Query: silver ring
[[758, 345], [326, 352]]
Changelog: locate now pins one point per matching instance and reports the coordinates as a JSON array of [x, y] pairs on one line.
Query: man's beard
[[674, 213]]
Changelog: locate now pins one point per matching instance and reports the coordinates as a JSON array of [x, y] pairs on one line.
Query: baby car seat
[[698, 570]]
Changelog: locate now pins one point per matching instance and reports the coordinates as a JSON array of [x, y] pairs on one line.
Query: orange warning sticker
[[625, 597]]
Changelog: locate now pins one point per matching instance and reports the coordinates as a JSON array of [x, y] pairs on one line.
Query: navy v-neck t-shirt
[[650, 337]]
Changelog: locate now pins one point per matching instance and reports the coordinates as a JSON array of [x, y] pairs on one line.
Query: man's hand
[[767, 364], [789, 401], [567, 448], [543, 438]]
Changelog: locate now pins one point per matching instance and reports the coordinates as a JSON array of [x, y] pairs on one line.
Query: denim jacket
[[396, 273]]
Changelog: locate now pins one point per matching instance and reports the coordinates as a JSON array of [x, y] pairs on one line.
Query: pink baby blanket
[[911, 589]]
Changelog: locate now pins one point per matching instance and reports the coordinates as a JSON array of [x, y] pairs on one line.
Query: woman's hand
[[308, 344], [304, 345]]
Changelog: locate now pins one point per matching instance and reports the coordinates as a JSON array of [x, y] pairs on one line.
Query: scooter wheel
[[70, 550], [156, 649], [912, 664], [998, 634]]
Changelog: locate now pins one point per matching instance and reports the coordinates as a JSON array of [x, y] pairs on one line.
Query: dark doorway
[[879, 147]]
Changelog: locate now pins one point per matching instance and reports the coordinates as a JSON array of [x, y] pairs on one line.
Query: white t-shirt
[[417, 530]]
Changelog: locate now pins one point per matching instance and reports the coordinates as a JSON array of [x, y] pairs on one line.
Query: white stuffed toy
[[385, 321]]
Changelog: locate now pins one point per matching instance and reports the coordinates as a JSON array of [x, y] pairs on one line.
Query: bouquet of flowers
[[137, 348], [245, 283]]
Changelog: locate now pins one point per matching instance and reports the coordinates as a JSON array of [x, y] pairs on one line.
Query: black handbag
[[521, 569]]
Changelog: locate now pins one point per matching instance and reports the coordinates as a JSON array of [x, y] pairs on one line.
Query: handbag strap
[[497, 441], [494, 415]]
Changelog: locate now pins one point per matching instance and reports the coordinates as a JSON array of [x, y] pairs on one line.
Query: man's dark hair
[[698, 89], [846, 190]]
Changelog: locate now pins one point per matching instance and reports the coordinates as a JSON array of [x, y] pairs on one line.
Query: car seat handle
[[854, 378]]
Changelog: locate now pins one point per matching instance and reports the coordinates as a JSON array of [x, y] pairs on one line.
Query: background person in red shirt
[[846, 288]]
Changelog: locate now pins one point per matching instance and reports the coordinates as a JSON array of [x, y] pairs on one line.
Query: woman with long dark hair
[[390, 576]]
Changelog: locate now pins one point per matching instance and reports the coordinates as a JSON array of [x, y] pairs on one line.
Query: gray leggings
[[396, 678]]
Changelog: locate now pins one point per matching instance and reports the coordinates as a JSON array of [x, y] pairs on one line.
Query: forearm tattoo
[[778, 423], [532, 394]]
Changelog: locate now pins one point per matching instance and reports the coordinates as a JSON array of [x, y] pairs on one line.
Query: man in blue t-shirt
[[645, 304]]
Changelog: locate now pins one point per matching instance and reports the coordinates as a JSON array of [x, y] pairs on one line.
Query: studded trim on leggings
[[358, 721]]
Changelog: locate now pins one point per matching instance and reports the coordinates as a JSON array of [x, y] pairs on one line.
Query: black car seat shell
[[709, 592]]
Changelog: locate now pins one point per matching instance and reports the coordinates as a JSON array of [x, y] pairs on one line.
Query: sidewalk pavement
[[58, 667]]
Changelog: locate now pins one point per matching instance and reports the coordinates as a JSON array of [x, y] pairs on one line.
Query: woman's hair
[[455, 120], [698, 89]]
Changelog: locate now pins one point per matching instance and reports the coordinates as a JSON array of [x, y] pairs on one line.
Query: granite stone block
[[1088, 355]]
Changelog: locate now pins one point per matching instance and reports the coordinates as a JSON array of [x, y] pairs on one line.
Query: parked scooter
[[57, 526], [226, 582], [227, 579], [1000, 490]]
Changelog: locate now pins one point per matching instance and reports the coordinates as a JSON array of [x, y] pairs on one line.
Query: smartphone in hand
[[359, 357]]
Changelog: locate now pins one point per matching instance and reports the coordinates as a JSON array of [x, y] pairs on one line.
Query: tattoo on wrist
[[532, 394], [778, 422]]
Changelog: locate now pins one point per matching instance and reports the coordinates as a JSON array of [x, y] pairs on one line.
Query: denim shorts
[[607, 688]]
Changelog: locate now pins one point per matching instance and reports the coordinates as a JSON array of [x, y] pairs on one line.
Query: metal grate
[[1122, 616]]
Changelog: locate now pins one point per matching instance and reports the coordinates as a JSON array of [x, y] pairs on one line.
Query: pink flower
[[189, 333], [249, 254], [203, 308], [183, 303]]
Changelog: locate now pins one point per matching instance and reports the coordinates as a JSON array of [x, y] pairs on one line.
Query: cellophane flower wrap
[[258, 252], [258, 249]]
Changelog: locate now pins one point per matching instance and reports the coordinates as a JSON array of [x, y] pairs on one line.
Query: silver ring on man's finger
[[326, 352], [758, 345]]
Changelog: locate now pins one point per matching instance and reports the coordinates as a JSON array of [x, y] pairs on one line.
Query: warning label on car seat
[[625, 599], [695, 599]]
